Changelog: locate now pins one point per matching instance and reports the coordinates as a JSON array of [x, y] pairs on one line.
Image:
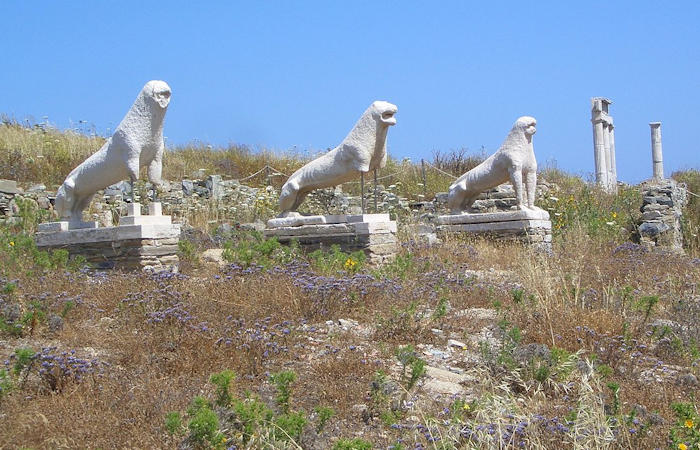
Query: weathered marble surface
[[505, 216], [514, 161], [149, 241], [137, 142], [529, 226], [362, 150], [375, 234], [294, 221], [107, 234]]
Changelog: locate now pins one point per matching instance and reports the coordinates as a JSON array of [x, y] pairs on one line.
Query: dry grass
[[155, 368]]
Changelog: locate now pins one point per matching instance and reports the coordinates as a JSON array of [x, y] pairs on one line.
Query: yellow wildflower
[[614, 215], [350, 264], [682, 446], [466, 407], [12, 243], [689, 423]]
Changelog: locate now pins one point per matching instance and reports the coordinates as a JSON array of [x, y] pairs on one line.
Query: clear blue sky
[[274, 74]]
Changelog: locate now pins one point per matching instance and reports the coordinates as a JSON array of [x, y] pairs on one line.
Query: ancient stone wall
[[662, 208]]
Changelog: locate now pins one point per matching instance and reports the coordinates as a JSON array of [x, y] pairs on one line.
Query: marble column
[[601, 142], [656, 152], [599, 153], [613, 164], [608, 166]]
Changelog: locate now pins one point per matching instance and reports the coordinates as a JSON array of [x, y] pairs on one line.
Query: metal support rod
[[267, 175], [422, 169], [376, 209], [362, 192]]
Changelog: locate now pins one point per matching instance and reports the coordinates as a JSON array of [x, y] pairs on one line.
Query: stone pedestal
[[139, 242], [375, 234], [530, 227]]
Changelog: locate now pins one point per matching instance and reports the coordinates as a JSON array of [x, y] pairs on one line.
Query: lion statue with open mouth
[[362, 150]]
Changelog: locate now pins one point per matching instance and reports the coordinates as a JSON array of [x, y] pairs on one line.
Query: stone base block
[[375, 234], [128, 247], [64, 225], [530, 227]]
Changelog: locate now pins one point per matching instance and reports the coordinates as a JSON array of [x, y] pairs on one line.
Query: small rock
[[347, 324], [214, 255], [456, 343], [687, 379], [43, 202], [37, 188], [653, 228], [253, 226], [106, 322], [359, 408], [187, 187], [441, 381]]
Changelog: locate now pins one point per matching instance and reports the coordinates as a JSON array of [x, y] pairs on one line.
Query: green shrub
[[204, 423], [408, 358], [173, 422], [352, 444], [6, 384], [222, 381], [282, 382], [290, 426], [187, 251], [324, 414], [252, 415], [334, 260]]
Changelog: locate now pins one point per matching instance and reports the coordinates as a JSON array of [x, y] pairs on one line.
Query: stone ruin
[[662, 204], [662, 210], [604, 144]]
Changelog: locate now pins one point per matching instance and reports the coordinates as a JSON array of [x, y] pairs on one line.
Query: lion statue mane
[[514, 161], [362, 150], [137, 142]]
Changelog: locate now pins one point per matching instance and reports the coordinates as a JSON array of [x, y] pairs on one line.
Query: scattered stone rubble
[[229, 200]]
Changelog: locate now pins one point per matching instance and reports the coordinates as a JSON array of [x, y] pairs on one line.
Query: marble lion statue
[[514, 162], [137, 142], [362, 150]]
